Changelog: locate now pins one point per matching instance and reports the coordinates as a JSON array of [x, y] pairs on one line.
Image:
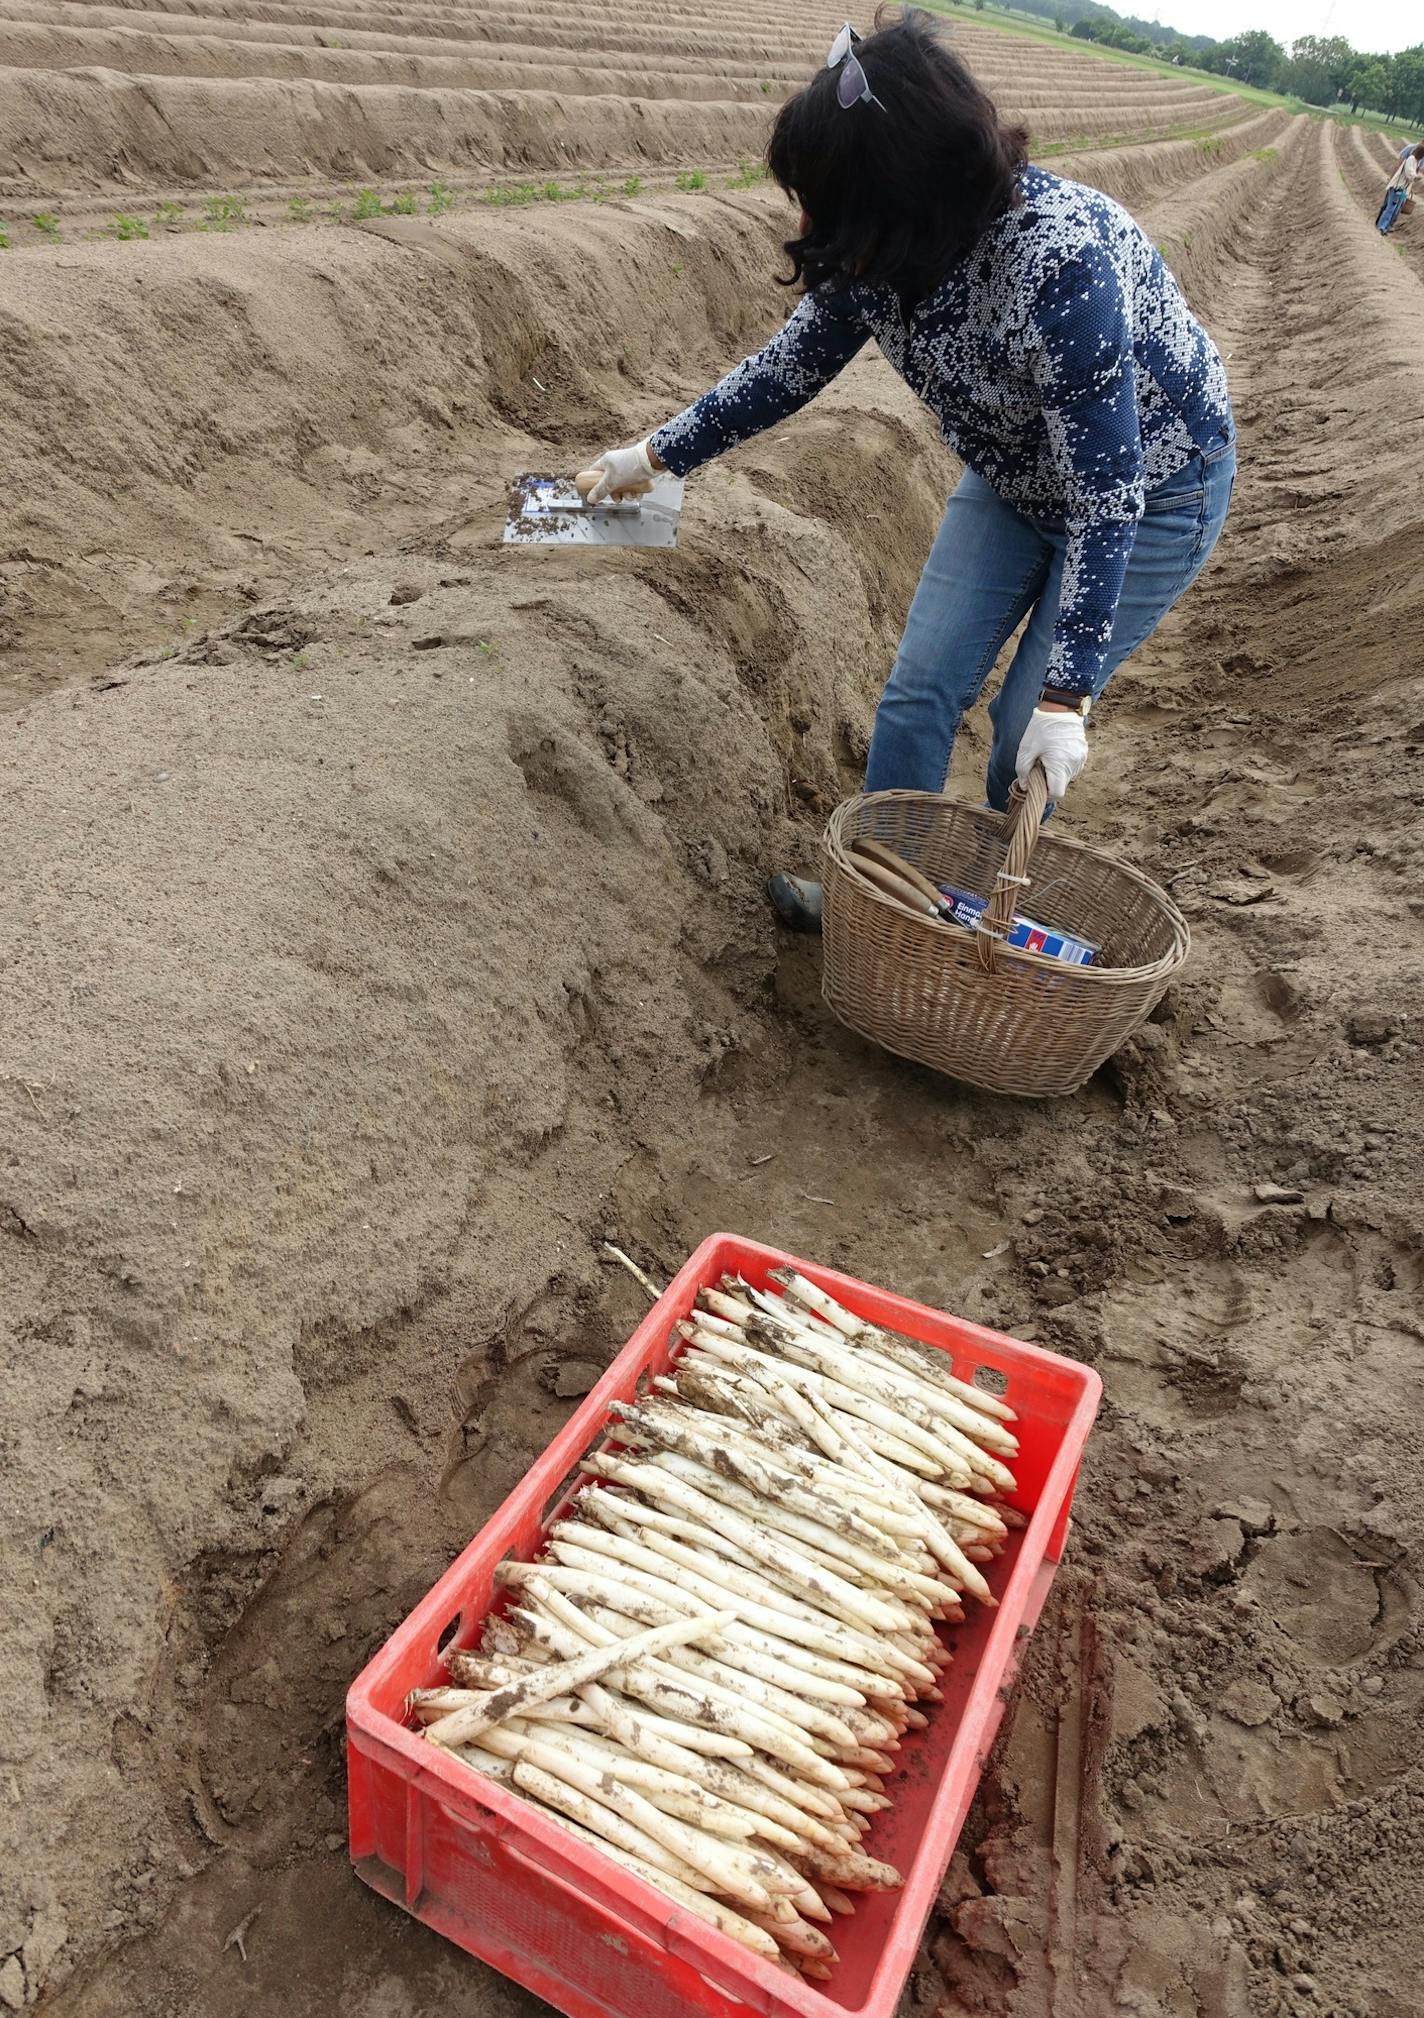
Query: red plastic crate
[[509, 1885]]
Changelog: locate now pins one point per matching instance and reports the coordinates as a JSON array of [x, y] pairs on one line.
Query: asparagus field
[[384, 933]]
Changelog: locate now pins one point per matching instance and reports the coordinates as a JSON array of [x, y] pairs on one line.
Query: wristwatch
[[1078, 704]]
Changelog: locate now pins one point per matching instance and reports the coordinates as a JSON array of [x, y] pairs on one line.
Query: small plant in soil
[[404, 205], [4, 237], [368, 204], [692, 179], [167, 212], [488, 647], [125, 226], [748, 175], [633, 186], [442, 198], [299, 210], [224, 213], [46, 224], [766, 87], [1264, 154]]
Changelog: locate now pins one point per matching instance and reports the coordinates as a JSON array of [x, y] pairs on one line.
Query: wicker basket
[[964, 1002]]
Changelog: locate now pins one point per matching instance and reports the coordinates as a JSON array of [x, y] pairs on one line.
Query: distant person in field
[[1040, 326], [1399, 190]]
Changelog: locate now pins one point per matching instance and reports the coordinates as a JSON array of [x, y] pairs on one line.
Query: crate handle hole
[[450, 1633], [991, 1380]]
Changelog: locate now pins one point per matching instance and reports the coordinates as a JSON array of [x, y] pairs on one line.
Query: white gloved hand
[[623, 469], [1059, 742]]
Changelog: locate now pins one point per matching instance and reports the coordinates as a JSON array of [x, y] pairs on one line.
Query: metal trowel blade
[[547, 510]]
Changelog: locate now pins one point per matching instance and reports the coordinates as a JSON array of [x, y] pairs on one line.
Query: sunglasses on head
[[852, 85]]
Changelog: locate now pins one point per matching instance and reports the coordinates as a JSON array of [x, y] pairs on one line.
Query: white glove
[[623, 469], [1059, 742]]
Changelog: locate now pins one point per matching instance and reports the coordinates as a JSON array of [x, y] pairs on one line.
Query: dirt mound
[[390, 932], [245, 94]]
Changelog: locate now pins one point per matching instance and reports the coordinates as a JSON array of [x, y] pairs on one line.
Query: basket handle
[[1021, 825]]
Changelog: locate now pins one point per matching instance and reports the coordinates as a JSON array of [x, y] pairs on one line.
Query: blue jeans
[[989, 566], [1389, 212]]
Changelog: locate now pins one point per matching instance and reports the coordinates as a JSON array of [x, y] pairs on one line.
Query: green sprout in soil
[[488, 647], [442, 198], [677, 270], [749, 174], [167, 213], [298, 210], [46, 223], [693, 179], [300, 661], [766, 87], [129, 227], [368, 204], [1209, 144], [404, 205], [633, 186], [4, 237], [1264, 154], [224, 213]]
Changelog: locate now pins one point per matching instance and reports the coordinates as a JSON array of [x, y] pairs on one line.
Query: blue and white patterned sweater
[[1062, 364]]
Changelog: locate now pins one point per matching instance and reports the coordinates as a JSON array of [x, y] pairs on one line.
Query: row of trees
[[1318, 69]]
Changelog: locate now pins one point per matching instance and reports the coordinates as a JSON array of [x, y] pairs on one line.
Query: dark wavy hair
[[894, 196]]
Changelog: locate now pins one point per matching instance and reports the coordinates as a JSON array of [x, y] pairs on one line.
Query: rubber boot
[[797, 902]]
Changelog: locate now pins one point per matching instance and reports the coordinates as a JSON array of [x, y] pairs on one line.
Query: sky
[[1366, 24]]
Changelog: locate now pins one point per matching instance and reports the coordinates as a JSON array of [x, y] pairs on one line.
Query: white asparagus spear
[[648, 1736], [865, 1611], [429, 1706], [902, 1579], [963, 1401], [740, 1926], [724, 1459], [666, 1690], [740, 1645], [552, 1790], [691, 1546], [819, 1541], [732, 1308], [853, 1873], [692, 1696], [949, 1464], [562, 1679], [757, 1471], [797, 1937], [744, 1874], [729, 1665], [714, 1748], [924, 1360], [951, 1557], [795, 1722], [980, 1426], [767, 1423], [898, 1394], [493, 1768], [770, 1631], [675, 1793]]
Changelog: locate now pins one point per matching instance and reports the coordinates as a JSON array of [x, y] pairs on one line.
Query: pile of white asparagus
[[709, 1671]]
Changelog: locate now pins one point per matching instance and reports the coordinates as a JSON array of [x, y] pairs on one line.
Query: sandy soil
[[385, 930]]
